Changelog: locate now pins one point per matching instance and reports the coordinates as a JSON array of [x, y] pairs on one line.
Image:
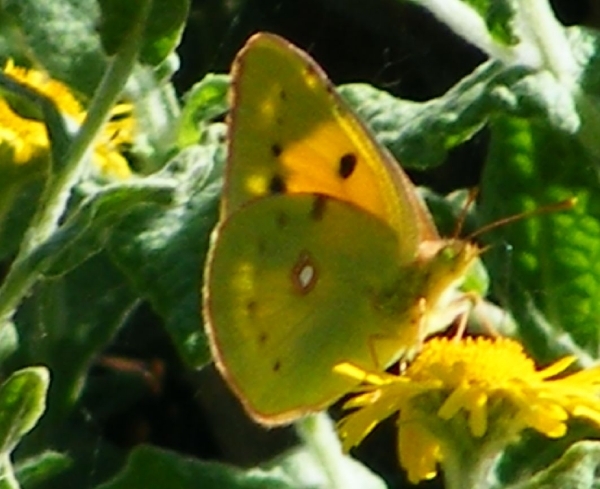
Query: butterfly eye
[[448, 253]]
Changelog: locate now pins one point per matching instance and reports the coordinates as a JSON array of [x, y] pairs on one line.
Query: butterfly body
[[324, 253]]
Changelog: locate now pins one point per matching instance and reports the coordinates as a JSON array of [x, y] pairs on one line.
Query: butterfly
[[324, 252]]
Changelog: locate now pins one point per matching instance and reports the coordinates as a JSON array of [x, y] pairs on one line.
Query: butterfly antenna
[[460, 222], [563, 205]]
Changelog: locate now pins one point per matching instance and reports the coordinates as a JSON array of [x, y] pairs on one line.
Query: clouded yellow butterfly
[[324, 252]]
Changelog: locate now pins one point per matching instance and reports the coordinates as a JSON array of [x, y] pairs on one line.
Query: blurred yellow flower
[[471, 396], [27, 138]]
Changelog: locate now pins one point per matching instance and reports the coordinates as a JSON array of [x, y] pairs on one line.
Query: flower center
[[473, 360]]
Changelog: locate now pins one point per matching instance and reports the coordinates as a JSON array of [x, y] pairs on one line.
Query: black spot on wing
[[276, 150], [276, 366], [282, 219], [251, 308], [277, 185], [347, 165], [262, 338], [261, 246], [317, 210]]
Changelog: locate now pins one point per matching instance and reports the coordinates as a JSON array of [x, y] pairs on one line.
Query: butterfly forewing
[[290, 132]]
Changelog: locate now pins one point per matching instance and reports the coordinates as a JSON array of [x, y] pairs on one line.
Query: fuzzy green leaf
[[161, 31], [550, 275], [67, 320], [59, 32], [420, 134], [162, 248], [22, 402], [206, 100], [152, 468], [34, 470], [497, 15], [86, 230], [576, 469]]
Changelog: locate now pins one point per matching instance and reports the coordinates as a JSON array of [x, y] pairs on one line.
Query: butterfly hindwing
[[303, 293]]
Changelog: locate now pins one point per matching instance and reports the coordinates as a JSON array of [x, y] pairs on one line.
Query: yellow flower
[[467, 400], [27, 138]]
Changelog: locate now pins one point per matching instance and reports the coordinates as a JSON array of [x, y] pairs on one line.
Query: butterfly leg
[[474, 300], [494, 320], [463, 318], [377, 343]]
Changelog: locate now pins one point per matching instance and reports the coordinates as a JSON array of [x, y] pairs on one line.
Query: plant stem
[[319, 436], [60, 185], [26, 267], [7, 475], [470, 469], [469, 25], [550, 38]]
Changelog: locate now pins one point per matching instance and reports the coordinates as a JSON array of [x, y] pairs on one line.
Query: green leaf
[[59, 32], [205, 101], [420, 134], [22, 402], [12, 44], [157, 115], [163, 24], [548, 271], [162, 249], [534, 452], [152, 468], [86, 230], [20, 189], [67, 321], [163, 31], [117, 21], [586, 45], [576, 469], [498, 15], [34, 470], [9, 340], [540, 95]]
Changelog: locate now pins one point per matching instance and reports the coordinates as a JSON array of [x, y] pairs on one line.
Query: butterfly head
[[452, 268], [448, 258]]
